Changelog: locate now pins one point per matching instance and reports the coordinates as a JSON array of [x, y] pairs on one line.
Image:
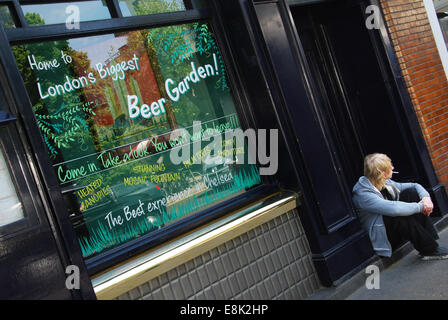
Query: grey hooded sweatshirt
[[371, 206]]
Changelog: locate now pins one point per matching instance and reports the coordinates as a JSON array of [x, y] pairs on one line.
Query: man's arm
[[375, 204], [422, 193], [410, 185]]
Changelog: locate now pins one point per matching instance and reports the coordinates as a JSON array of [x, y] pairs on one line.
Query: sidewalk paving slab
[[411, 279]]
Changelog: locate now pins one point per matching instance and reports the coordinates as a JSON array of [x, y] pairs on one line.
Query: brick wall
[[423, 72]]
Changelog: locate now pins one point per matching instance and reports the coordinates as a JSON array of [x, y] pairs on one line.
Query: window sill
[[138, 270]]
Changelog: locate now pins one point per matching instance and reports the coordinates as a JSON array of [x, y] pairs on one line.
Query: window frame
[[437, 33], [23, 34]]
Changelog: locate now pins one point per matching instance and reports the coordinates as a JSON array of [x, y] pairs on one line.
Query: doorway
[[349, 79]]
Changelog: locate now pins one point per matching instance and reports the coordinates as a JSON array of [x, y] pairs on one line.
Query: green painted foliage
[[178, 45]]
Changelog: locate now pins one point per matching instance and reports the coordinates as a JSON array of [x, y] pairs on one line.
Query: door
[[355, 101]]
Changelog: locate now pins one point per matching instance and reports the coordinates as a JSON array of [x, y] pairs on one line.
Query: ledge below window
[[138, 270]]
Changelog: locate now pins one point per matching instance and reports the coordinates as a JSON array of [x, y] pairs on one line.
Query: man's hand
[[428, 206]]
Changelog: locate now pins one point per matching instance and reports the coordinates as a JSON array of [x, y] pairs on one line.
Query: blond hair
[[374, 166]]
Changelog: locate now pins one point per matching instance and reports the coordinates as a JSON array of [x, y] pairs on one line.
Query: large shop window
[[106, 107]]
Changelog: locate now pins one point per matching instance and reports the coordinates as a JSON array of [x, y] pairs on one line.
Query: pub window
[[20, 212], [106, 106]]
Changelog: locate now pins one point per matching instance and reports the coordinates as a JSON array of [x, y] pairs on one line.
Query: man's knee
[[409, 195]]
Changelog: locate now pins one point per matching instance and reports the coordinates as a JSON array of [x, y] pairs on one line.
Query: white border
[[438, 36]]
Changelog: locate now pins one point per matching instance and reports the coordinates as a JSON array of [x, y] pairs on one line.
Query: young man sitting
[[385, 215]]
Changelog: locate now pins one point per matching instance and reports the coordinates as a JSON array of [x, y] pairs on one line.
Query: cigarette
[[395, 172]]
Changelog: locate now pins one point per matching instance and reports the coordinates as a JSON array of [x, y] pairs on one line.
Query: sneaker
[[439, 254]]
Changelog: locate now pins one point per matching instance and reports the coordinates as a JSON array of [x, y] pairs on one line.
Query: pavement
[[410, 279]]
